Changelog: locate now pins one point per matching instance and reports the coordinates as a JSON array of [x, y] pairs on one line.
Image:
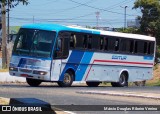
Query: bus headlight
[[13, 69], [39, 72]]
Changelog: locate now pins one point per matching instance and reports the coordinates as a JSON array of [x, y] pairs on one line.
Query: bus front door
[[56, 69]]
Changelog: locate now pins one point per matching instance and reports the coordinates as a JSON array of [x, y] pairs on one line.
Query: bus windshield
[[32, 42]]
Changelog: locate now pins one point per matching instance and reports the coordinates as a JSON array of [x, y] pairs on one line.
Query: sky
[[74, 12]]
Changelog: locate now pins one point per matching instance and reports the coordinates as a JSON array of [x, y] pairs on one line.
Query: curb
[[125, 94]]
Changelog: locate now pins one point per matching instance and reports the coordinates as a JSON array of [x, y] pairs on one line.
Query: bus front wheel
[[67, 80], [33, 82], [93, 84]]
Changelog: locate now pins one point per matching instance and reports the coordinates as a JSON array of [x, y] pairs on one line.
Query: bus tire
[[93, 84], [114, 84], [123, 81], [33, 82], [67, 81]]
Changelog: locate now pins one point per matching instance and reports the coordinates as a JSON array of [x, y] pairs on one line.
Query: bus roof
[[56, 27]]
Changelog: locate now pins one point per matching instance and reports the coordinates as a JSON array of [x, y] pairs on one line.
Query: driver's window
[[62, 45], [58, 49], [59, 44]]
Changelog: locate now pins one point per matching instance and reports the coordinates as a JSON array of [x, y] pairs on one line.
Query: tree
[[3, 4], [128, 30], [150, 19]]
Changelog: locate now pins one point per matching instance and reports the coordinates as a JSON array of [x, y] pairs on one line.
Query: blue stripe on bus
[[91, 32], [148, 57], [73, 62], [83, 66]]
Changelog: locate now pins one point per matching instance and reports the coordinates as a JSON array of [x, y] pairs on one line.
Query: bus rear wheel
[[114, 84], [67, 80], [33, 82], [123, 81], [93, 84]]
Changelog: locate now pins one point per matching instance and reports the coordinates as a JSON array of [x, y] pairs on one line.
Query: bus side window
[[140, 47], [85, 41], [90, 42], [62, 46], [78, 41], [111, 44], [73, 41], [151, 48], [135, 46], [59, 44], [101, 43], [131, 46], [58, 49], [145, 47], [105, 44], [117, 44], [126, 45], [95, 42]]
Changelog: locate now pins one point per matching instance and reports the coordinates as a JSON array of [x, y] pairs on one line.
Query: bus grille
[[25, 70]]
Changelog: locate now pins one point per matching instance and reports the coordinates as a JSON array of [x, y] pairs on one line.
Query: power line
[[71, 8], [62, 20], [100, 8], [101, 11]]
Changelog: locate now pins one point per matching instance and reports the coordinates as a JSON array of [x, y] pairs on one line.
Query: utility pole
[[125, 17], [8, 21], [4, 38], [33, 19], [97, 17]]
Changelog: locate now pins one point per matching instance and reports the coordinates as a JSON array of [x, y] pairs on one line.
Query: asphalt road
[[68, 96]]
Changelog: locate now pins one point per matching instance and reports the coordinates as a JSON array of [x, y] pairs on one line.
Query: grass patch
[[4, 101], [155, 67], [105, 84], [153, 83]]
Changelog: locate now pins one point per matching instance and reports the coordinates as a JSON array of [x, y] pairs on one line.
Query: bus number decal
[[118, 57]]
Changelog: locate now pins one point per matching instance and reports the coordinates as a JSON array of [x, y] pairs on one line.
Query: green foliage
[[90, 27], [150, 19], [128, 30], [12, 3]]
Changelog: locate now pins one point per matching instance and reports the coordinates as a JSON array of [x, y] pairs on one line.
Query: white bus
[[63, 54]]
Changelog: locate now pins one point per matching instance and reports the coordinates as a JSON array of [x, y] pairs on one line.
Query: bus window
[[101, 43], [126, 45], [145, 47], [111, 44], [85, 41], [73, 41], [135, 46], [105, 44], [79, 41], [96, 42], [131, 46], [117, 45], [140, 47], [151, 48], [89, 42], [62, 46]]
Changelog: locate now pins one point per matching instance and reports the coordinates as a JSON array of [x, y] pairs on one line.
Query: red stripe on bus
[[89, 71], [111, 61]]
